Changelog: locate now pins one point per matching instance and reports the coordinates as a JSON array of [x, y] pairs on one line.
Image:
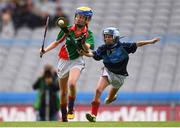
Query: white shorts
[[64, 66], [115, 80]]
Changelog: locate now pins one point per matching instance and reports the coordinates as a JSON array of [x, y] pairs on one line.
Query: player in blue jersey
[[115, 56]]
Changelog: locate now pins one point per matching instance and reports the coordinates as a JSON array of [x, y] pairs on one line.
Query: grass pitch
[[88, 124]]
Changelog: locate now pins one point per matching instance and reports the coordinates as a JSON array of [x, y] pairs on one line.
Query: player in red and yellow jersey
[[71, 62]]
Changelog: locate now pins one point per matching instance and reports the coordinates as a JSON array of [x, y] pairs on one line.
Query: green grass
[[88, 124]]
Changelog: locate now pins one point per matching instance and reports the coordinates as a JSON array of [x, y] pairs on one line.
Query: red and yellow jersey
[[68, 50]]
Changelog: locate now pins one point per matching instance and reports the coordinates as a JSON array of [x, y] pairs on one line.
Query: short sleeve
[[90, 40], [129, 47], [60, 36]]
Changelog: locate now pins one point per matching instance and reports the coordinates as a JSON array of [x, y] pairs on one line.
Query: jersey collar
[[74, 28]]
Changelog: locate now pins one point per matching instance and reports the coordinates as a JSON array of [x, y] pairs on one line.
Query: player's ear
[[87, 21]]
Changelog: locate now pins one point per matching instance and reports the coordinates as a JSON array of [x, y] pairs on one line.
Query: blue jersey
[[115, 57]]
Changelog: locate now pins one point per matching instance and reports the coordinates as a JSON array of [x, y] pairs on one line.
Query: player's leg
[[102, 84], [116, 81], [63, 97], [112, 95], [74, 75]]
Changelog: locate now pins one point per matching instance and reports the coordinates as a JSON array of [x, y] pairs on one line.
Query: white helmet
[[112, 31]]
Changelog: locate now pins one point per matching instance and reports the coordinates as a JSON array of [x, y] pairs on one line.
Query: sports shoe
[[70, 115], [64, 119], [108, 101], [90, 118]]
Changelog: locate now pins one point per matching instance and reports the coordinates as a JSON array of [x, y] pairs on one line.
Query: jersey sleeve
[[129, 47], [90, 40], [99, 53], [61, 37]]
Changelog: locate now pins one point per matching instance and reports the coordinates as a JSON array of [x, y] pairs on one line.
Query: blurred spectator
[[3, 4], [7, 28], [47, 101], [30, 13], [49, 67], [25, 16], [47, 6], [56, 1], [51, 8]]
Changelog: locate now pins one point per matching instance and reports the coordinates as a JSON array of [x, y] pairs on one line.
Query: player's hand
[[85, 47], [88, 54], [81, 52], [41, 51], [154, 40]]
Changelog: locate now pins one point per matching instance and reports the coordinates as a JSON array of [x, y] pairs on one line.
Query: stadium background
[[150, 93]]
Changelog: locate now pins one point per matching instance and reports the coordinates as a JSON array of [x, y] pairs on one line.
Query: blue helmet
[[112, 31], [86, 11]]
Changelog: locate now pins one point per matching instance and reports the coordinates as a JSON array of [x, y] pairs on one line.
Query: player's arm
[[60, 38], [97, 55], [146, 42], [88, 54], [51, 46]]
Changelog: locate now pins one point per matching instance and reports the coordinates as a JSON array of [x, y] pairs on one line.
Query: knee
[[63, 93], [72, 85], [98, 91]]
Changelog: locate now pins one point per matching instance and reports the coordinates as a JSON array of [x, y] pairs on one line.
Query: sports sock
[[95, 107], [71, 103], [64, 112]]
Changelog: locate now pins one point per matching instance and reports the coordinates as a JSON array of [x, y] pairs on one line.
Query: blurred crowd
[[15, 14]]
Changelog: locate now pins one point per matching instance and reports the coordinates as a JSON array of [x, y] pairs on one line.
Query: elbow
[[139, 44]]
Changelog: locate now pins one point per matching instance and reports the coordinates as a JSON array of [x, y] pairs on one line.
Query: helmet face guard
[[112, 31]]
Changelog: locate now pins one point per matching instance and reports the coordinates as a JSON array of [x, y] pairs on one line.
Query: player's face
[[80, 20], [108, 39], [48, 80]]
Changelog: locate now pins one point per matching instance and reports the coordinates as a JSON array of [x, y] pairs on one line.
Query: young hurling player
[[71, 62], [115, 58]]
